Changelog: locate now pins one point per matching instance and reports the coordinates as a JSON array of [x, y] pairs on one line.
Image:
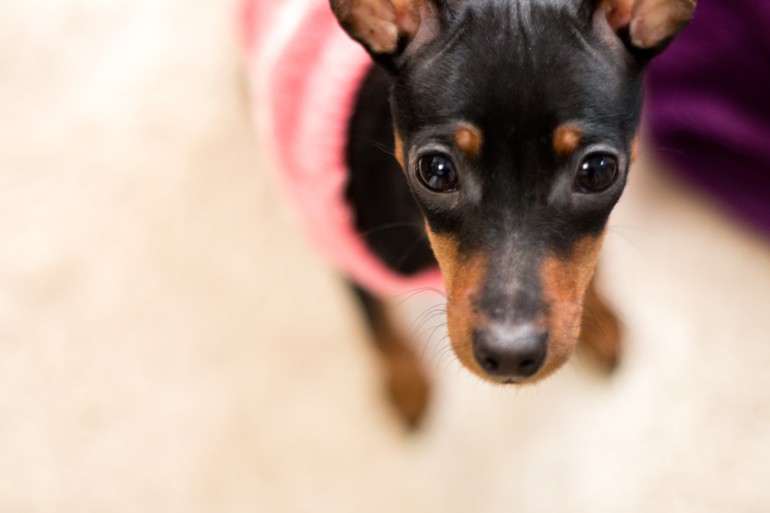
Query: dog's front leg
[[601, 333], [406, 382]]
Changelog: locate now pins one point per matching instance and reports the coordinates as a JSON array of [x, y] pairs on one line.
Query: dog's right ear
[[383, 27]]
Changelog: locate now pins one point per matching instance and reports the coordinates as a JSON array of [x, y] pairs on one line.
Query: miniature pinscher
[[514, 123]]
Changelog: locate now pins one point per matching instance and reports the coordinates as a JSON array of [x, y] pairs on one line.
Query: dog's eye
[[596, 173], [437, 173]]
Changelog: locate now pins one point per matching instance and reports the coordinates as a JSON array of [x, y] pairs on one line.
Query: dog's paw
[[407, 385], [601, 333]]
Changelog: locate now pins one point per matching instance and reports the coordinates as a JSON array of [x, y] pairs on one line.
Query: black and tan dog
[[515, 122]]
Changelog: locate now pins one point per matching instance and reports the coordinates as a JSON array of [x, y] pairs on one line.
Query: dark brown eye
[[437, 173], [596, 173]]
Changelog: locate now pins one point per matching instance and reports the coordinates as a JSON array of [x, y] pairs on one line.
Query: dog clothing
[[304, 73]]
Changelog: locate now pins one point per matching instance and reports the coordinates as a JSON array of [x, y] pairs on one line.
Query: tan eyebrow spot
[[566, 139], [469, 140]]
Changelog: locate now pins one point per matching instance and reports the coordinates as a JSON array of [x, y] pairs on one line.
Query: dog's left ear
[[383, 27], [649, 24]]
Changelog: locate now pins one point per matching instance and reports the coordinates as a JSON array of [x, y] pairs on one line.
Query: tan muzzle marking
[[565, 281]]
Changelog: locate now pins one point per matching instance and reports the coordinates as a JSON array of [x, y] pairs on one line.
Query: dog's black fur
[[520, 216], [385, 212]]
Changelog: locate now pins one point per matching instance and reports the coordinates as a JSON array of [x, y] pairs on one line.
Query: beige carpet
[[168, 343]]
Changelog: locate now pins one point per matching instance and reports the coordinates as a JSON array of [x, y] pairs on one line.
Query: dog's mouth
[[522, 351]]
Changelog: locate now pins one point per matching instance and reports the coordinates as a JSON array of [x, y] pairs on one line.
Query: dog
[[490, 137]]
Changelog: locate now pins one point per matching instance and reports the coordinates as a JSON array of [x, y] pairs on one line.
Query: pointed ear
[[650, 24], [381, 26]]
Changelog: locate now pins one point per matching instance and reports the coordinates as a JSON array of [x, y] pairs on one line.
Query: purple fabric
[[708, 105]]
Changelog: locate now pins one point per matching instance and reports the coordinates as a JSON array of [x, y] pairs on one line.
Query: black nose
[[514, 353]]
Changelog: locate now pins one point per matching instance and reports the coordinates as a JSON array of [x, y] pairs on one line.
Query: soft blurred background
[[169, 342]]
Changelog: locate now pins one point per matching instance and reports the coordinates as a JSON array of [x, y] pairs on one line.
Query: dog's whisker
[[434, 349], [423, 318], [390, 226], [388, 150], [410, 249], [445, 356], [435, 329], [427, 342], [429, 312], [420, 330], [414, 292]]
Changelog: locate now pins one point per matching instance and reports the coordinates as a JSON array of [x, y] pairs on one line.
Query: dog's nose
[[510, 353]]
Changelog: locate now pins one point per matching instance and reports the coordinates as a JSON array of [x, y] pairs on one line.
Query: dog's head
[[515, 122]]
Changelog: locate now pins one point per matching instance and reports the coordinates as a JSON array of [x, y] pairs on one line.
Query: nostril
[[490, 364], [528, 366]]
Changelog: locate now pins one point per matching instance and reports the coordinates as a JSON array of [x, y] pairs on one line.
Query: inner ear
[[382, 26], [651, 24], [618, 13]]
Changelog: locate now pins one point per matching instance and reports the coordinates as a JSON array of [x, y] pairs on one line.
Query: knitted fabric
[[304, 74]]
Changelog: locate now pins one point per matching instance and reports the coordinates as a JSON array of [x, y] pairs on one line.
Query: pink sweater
[[304, 72]]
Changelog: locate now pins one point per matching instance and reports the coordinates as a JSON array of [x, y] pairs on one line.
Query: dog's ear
[[383, 27], [648, 25]]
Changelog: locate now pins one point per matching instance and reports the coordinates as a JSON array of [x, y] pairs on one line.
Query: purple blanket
[[708, 107]]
